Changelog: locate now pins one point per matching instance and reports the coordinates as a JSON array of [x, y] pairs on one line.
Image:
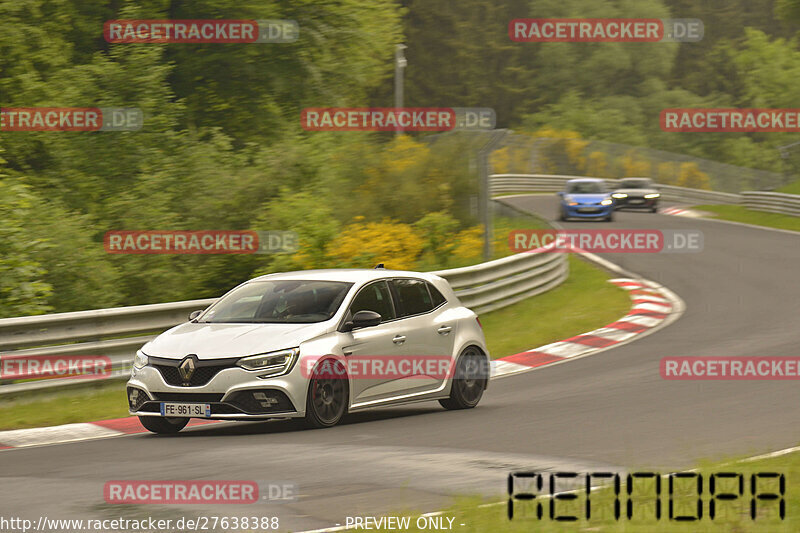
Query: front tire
[[163, 425], [469, 381], [328, 393]]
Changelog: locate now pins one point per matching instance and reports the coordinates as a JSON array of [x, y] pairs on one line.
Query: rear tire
[[163, 425], [469, 382], [328, 393]]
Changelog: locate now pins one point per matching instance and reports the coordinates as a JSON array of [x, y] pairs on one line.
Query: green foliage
[[222, 146], [221, 141], [437, 230], [22, 289], [788, 9]]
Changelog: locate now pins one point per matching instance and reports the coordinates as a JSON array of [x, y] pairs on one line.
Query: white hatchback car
[[314, 344]]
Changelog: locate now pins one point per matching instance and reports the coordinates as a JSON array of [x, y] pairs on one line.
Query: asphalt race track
[[610, 410]]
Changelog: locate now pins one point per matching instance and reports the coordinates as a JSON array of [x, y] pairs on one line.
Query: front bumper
[[635, 203], [588, 211], [233, 393]]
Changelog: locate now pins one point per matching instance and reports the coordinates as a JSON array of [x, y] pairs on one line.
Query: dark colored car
[[636, 193]]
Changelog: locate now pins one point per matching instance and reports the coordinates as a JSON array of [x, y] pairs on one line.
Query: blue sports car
[[586, 198]]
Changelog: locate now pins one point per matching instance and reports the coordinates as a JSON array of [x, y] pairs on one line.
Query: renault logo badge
[[186, 368]]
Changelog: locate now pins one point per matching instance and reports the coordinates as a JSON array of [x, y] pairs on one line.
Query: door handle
[[444, 330], [399, 339]]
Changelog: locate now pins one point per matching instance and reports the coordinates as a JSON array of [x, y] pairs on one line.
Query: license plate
[[637, 201], [186, 409], [587, 209]]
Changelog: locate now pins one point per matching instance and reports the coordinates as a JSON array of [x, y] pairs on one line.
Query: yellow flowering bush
[[597, 165], [633, 166], [365, 244], [563, 143], [667, 173], [468, 244], [691, 176]]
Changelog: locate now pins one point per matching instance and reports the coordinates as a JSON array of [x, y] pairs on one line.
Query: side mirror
[[194, 314], [560, 193], [363, 319]]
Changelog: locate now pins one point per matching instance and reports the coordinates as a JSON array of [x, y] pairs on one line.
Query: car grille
[[141, 398], [202, 397], [203, 373], [240, 402], [247, 401]]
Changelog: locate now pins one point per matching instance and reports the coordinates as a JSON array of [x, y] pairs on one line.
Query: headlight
[[619, 195], [654, 195], [269, 364], [607, 201], [570, 200], [140, 360]]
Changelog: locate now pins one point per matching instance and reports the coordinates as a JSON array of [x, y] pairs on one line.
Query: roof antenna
[[379, 265]]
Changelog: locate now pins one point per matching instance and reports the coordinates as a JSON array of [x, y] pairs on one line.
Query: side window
[[374, 297], [436, 296], [413, 296]]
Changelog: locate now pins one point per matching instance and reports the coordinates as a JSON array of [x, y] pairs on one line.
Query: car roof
[[637, 179], [351, 275]]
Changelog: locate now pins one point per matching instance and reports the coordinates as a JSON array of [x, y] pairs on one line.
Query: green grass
[[737, 213], [791, 188], [584, 302], [731, 516], [98, 401]]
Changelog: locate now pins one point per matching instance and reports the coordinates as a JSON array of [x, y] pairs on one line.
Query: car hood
[[637, 192], [218, 341], [589, 198]]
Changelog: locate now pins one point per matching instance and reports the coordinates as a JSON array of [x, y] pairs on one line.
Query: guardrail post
[[485, 193]]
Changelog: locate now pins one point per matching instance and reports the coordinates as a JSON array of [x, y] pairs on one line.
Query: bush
[[365, 244]]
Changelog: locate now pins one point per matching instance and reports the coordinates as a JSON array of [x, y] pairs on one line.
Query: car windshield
[[585, 187], [635, 184], [279, 301]]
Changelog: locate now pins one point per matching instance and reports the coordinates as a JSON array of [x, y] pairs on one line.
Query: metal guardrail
[[502, 282], [117, 333], [772, 202], [697, 196]]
